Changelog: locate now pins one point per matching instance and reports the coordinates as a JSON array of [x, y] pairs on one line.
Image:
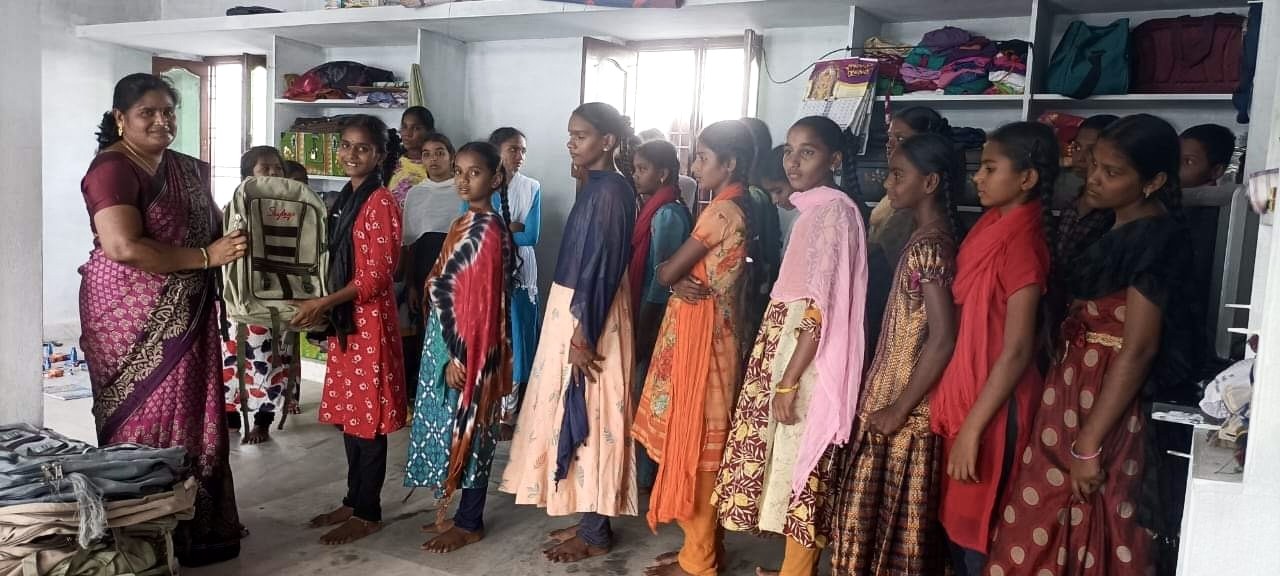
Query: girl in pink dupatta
[[801, 384]]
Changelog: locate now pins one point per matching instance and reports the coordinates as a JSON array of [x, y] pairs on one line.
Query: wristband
[[1083, 457], [785, 389], [204, 253]]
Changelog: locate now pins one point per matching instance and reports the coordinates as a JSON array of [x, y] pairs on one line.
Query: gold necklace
[[150, 167]]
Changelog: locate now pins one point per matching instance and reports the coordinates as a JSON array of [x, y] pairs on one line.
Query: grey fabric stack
[[70, 509]]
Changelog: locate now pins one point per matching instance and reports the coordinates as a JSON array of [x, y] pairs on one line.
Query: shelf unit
[[332, 103]]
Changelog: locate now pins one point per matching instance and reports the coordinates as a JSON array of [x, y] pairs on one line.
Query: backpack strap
[[242, 345]]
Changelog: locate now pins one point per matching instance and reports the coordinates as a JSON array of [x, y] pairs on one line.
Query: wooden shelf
[[333, 104], [471, 21], [935, 99]]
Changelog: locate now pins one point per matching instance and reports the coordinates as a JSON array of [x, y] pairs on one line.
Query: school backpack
[[1188, 54], [287, 258], [1091, 60]]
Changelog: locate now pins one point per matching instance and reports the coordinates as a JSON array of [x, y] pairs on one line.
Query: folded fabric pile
[[950, 60], [69, 508], [1008, 72]]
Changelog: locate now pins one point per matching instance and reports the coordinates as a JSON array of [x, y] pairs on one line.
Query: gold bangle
[[785, 389], [204, 253]]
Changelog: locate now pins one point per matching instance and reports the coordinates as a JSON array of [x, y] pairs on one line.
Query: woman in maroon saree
[[148, 305]]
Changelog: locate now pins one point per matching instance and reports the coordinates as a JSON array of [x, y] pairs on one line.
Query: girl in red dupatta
[[661, 228], [466, 358], [148, 305], [683, 418], [982, 406]]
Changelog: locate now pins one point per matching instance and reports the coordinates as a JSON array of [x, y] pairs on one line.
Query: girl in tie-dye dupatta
[[466, 357]]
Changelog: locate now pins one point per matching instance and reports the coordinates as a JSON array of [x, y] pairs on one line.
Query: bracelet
[[1079, 456], [204, 253], [785, 389], [579, 347]]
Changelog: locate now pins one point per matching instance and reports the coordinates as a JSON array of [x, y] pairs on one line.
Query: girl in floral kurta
[[363, 388], [801, 385], [683, 417], [886, 513]]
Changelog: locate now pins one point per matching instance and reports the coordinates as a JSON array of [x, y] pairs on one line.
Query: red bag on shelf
[[1188, 55]]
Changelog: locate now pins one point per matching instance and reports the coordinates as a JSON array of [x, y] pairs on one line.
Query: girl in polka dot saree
[[1074, 505]]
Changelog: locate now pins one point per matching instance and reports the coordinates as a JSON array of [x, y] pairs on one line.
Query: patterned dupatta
[[468, 294], [182, 213]]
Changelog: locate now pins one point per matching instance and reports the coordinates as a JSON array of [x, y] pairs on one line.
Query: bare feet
[[293, 407], [452, 539], [342, 514], [672, 569], [667, 557], [437, 527], [350, 531], [573, 550], [762, 572], [257, 435], [563, 534]]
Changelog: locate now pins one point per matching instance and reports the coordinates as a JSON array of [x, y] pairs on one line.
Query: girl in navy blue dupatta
[[572, 451]]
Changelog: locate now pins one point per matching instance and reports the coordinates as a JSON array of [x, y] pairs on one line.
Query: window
[[222, 112], [685, 86]]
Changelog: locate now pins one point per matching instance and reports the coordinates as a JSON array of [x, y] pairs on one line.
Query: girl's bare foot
[[452, 539], [762, 572], [437, 527], [258, 435], [672, 569], [342, 514], [573, 550], [293, 407], [563, 534], [350, 531]]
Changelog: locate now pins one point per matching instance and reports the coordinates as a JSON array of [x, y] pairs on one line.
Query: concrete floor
[[302, 472]]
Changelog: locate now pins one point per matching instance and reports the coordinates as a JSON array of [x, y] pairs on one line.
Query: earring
[[120, 131]]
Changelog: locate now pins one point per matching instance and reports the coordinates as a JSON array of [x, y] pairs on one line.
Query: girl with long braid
[[466, 356], [982, 406], [885, 519]]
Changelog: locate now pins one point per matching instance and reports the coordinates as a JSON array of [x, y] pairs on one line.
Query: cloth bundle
[[1008, 74], [42, 467], [951, 60]]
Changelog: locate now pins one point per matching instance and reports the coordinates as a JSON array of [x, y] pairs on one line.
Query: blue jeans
[[470, 513], [595, 530]]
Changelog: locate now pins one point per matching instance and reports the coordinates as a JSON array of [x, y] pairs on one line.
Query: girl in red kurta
[[982, 405], [364, 391]]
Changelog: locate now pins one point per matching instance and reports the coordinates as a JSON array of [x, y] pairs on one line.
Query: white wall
[[20, 234], [533, 85], [787, 50], [77, 77]]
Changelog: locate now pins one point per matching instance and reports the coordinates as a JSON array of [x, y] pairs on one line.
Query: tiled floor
[[301, 473]]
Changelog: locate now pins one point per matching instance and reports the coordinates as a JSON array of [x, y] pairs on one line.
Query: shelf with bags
[[333, 103], [934, 99]]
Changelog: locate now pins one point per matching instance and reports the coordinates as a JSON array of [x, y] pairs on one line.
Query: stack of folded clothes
[[950, 60], [69, 508]]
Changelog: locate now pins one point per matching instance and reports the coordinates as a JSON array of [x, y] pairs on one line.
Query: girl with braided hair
[[982, 406], [801, 383], [572, 451], [884, 522], [466, 356]]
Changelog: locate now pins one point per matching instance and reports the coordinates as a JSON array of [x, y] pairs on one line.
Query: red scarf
[[978, 266], [640, 237]]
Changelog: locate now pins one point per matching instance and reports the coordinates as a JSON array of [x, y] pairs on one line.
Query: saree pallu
[[155, 354]]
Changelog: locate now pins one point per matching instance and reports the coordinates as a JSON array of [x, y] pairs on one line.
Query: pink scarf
[[826, 262]]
